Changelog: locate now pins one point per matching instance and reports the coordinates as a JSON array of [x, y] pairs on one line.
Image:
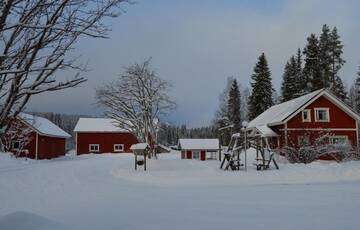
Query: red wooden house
[[304, 119], [201, 149], [46, 140], [102, 135]]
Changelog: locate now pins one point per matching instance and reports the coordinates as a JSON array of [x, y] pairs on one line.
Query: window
[[306, 115], [196, 154], [119, 148], [303, 140], [322, 114], [338, 139], [16, 145], [94, 148]]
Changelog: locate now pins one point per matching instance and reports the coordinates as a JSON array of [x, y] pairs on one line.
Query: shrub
[[307, 154]]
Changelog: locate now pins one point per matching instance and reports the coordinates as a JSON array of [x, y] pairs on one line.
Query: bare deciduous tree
[[36, 37], [17, 137], [136, 100]]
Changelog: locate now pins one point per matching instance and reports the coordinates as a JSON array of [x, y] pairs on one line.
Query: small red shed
[[201, 149], [102, 135], [302, 120], [46, 140]]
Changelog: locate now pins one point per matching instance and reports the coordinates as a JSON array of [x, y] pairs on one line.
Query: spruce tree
[[289, 87], [355, 93], [336, 60], [234, 106], [339, 89], [312, 69], [261, 95], [301, 83], [324, 56]]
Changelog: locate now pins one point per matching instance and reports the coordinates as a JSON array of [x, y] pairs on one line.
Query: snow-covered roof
[[43, 126], [263, 131], [199, 144], [139, 146], [94, 125], [278, 113]]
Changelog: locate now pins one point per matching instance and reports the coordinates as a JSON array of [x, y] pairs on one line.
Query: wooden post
[[286, 134], [144, 161], [219, 151]]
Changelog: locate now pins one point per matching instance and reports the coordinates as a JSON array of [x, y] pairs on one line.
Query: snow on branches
[[17, 138], [35, 39], [136, 100], [338, 150]]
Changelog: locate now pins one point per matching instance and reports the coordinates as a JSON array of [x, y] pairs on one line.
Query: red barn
[[45, 139], [201, 149], [102, 135], [302, 120]]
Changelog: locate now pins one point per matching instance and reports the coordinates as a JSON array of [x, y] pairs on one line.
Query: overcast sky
[[197, 44]]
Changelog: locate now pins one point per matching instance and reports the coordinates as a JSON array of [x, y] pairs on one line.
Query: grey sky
[[198, 44]]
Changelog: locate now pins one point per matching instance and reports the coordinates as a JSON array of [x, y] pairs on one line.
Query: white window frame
[[322, 109], [13, 144], [198, 155], [94, 151], [309, 115], [118, 151], [332, 138]]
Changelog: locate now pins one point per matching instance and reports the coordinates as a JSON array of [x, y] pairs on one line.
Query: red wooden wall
[[105, 140], [51, 147], [48, 147], [338, 120]]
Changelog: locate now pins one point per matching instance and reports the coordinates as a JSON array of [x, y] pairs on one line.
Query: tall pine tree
[[312, 69], [261, 95], [339, 90], [324, 56], [301, 84], [336, 62], [289, 87], [355, 93], [234, 106]]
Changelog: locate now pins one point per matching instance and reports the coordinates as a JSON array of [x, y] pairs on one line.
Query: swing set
[[240, 142]]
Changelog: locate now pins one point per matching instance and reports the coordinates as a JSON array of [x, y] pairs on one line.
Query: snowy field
[[104, 192]]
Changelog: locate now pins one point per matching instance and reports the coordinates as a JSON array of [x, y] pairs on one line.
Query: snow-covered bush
[[302, 155], [15, 140], [320, 149]]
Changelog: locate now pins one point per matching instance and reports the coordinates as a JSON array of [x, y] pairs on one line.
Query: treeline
[[170, 134], [314, 67]]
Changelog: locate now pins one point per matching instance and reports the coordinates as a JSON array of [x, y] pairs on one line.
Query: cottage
[[201, 149], [44, 139], [102, 135], [304, 119]]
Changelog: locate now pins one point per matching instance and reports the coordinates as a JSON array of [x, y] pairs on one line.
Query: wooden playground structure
[[239, 143]]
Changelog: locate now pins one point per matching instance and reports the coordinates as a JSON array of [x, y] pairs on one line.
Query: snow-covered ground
[[104, 192]]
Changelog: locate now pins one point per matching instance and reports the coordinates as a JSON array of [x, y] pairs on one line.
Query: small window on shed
[[118, 147], [94, 148], [306, 115]]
